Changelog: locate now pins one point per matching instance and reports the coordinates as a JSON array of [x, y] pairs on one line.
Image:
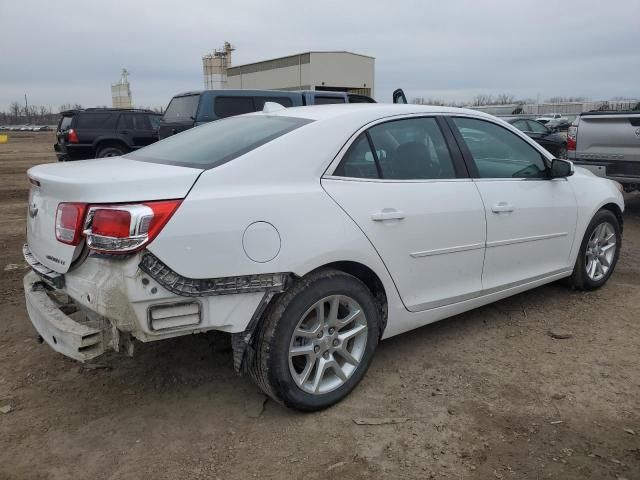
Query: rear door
[[531, 219], [144, 132], [407, 188], [89, 125], [180, 115]]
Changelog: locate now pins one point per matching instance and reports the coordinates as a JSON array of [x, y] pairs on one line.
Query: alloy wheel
[[328, 344], [601, 250]]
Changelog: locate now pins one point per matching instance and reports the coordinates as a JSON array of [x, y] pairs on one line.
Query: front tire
[[598, 253], [317, 341]]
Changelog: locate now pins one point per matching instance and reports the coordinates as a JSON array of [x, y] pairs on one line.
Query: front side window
[[142, 122], [215, 143], [409, 149], [125, 122], [155, 121], [499, 153]]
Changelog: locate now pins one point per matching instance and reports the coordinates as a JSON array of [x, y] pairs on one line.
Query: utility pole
[[26, 109]]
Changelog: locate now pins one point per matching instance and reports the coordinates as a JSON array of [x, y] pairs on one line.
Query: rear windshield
[[65, 123], [215, 143], [182, 109]]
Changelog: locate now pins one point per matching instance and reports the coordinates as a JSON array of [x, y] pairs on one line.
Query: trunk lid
[[104, 181]]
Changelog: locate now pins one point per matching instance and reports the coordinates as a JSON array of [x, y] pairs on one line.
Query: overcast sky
[[71, 51]]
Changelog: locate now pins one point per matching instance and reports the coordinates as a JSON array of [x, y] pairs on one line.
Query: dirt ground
[[485, 395]]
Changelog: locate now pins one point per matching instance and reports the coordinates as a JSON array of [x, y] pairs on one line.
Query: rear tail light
[[126, 228], [69, 222], [572, 138], [72, 136]]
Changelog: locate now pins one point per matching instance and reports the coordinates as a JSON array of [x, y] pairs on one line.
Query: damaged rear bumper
[[79, 340]]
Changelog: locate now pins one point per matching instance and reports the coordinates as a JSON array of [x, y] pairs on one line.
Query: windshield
[[182, 109], [215, 143], [65, 123]]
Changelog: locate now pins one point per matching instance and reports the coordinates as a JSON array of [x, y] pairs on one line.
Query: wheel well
[[111, 143], [615, 209], [244, 343], [370, 279]]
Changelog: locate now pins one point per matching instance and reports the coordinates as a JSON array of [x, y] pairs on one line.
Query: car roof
[[372, 111], [75, 111], [239, 92]]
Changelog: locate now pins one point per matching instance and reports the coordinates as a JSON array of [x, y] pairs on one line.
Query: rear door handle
[[502, 207], [387, 214]]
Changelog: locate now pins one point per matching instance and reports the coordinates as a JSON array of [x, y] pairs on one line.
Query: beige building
[[340, 71]]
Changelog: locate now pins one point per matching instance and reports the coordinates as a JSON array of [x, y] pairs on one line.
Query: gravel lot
[[485, 395]]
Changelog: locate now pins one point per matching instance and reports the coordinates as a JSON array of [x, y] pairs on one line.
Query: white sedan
[[308, 234]]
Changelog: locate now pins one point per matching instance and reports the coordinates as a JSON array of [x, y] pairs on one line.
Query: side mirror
[[399, 96], [561, 168]]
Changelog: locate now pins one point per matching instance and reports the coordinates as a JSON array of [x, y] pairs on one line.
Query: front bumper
[[80, 340]]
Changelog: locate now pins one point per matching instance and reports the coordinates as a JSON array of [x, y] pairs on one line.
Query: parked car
[[190, 109], [104, 132], [608, 144], [308, 234], [560, 124], [551, 117], [549, 138]]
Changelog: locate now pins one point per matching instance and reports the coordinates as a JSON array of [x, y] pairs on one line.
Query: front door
[[531, 219], [412, 198]]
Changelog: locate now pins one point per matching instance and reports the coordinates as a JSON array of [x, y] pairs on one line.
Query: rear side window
[[231, 106], [359, 161], [411, 149], [536, 127], [521, 125], [215, 143], [328, 100], [182, 109], [96, 120]]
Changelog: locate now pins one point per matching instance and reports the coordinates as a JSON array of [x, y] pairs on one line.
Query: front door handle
[[387, 214], [502, 207]]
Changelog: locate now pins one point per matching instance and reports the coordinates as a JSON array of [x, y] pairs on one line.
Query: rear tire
[[598, 253], [317, 341], [110, 151]]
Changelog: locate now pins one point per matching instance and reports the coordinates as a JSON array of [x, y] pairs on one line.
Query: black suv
[[104, 132]]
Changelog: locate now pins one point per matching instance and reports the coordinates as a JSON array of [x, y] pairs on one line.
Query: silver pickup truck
[[608, 144]]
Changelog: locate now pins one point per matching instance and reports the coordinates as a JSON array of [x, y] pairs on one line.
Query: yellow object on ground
[[4, 138]]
